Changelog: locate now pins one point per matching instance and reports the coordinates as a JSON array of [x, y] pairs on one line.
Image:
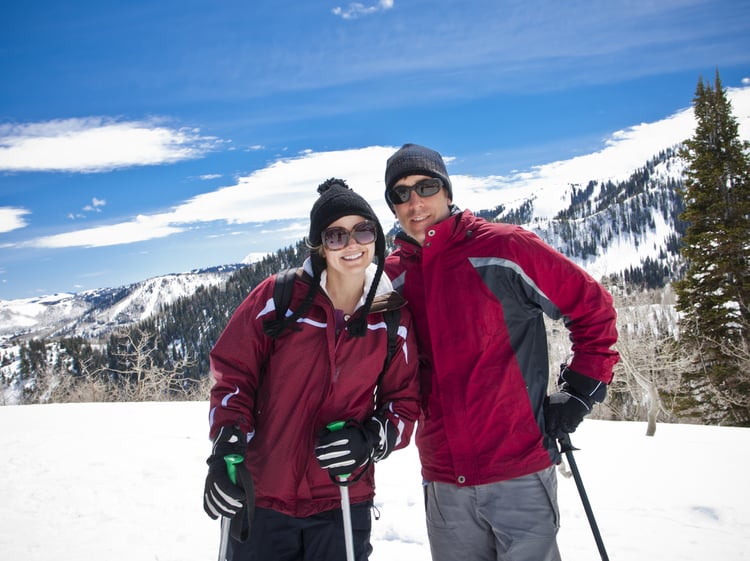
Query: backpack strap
[[282, 291], [392, 319], [282, 296]]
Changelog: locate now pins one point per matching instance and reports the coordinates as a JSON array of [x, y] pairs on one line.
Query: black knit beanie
[[413, 159], [336, 201]]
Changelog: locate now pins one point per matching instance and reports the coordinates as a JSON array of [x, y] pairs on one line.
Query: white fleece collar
[[384, 286]]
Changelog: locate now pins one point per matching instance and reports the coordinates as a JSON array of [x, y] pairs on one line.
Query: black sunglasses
[[338, 238], [401, 194]]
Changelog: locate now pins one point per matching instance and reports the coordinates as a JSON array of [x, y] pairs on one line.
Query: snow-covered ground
[[123, 482]]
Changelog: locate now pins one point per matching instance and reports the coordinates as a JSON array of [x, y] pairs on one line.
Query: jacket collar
[[384, 286], [456, 219]]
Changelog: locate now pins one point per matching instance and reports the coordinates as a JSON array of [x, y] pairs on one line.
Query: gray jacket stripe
[[398, 282], [541, 298]]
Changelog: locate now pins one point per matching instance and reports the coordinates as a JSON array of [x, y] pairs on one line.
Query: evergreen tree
[[714, 295]]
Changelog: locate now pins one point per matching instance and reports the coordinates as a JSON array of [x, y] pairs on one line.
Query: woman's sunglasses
[[338, 238], [401, 194]]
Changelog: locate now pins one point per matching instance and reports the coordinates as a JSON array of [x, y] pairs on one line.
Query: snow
[[123, 482], [27, 312]]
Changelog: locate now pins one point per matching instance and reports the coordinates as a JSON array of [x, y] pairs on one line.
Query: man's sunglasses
[[401, 194], [338, 238]]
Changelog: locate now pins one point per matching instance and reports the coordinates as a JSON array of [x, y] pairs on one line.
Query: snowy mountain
[[615, 227], [96, 313], [609, 210]]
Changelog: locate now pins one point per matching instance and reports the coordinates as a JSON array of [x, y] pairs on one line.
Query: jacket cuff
[[585, 386], [387, 436]]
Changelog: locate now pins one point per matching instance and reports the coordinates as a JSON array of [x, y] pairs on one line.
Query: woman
[[280, 382]]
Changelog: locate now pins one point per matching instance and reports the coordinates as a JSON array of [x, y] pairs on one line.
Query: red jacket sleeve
[[237, 361], [584, 305]]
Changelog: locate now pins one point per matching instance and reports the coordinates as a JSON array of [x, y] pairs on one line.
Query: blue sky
[[147, 137]]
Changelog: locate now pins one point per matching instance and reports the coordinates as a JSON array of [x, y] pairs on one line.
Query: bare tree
[[646, 378], [651, 365], [144, 377], [56, 384]]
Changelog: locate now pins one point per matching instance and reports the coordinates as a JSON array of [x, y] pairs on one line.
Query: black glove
[[221, 497], [348, 449], [387, 436], [565, 409]]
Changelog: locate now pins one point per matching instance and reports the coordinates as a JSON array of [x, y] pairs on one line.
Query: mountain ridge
[[95, 313]]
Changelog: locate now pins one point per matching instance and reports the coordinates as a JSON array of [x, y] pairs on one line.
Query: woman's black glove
[[221, 497], [344, 451]]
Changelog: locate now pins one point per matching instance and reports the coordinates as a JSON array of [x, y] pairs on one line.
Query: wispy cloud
[[357, 10], [97, 144], [95, 205], [506, 47], [285, 189], [139, 229], [12, 218]]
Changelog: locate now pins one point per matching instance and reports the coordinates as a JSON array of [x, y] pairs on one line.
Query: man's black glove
[[576, 395], [352, 447], [221, 497]]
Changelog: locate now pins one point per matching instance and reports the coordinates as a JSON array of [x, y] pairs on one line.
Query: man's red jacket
[[478, 292]]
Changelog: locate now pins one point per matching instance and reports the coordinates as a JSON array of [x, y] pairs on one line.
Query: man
[[487, 433]]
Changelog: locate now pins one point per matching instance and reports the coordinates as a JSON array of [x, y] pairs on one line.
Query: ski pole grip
[[333, 427], [232, 460], [336, 425]]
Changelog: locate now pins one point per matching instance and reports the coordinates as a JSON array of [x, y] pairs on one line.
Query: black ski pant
[[278, 537]]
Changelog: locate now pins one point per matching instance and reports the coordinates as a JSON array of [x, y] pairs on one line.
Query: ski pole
[[566, 447], [232, 460], [345, 505]]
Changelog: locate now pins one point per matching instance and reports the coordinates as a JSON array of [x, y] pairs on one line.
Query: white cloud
[[95, 205], [97, 144], [286, 189], [139, 229], [357, 9], [12, 218], [746, 81]]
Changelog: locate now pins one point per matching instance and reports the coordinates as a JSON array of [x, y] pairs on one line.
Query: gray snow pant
[[514, 520]]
